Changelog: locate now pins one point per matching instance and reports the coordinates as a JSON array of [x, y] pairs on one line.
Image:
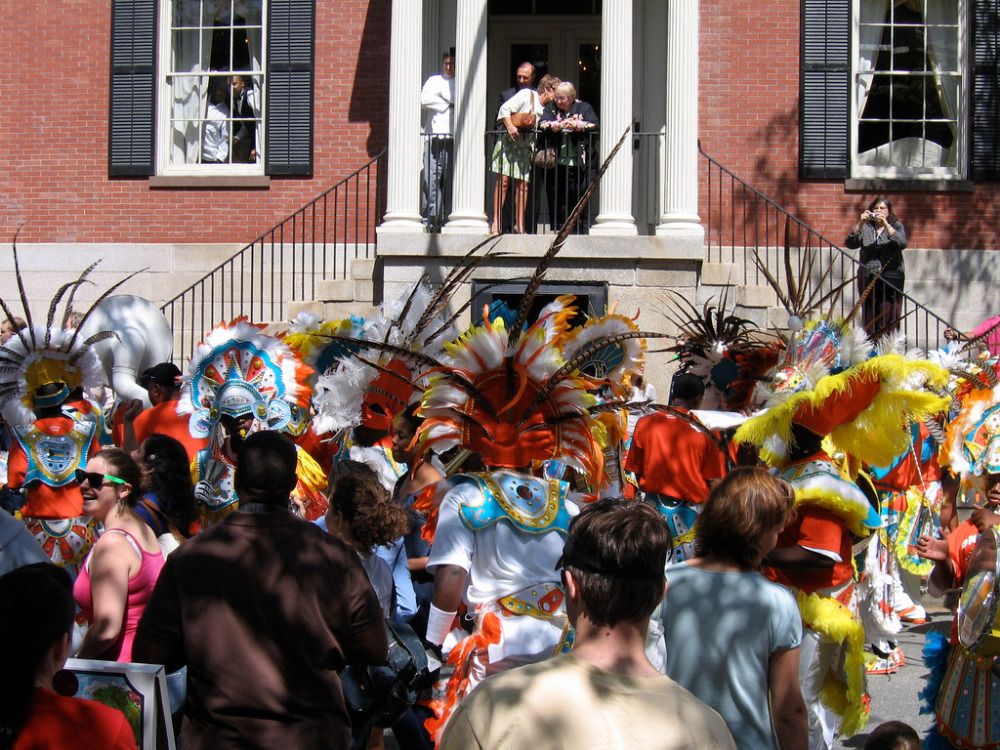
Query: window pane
[[909, 115], [215, 119]]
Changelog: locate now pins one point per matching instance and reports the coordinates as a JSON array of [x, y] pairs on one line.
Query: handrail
[[315, 243], [742, 220]]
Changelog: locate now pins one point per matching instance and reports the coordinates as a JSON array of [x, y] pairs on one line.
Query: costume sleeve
[[17, 464], [454, 542], [821, 532], [633, 459], [961, 543]]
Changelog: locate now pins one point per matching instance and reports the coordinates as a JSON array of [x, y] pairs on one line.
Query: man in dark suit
[[525, 79], [244, 121]]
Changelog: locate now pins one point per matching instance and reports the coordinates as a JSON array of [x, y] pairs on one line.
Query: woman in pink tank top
[[119, 574]]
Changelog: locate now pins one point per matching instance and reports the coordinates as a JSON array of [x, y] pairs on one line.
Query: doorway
[[566, 46]]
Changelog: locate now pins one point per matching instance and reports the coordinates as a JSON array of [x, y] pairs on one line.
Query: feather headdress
[[361, 377], [726, 351], [44, 353], [239, 371]]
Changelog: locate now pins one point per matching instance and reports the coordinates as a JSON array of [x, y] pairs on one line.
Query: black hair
[[891, 218], [265, 469], [170, 479], [687, 387], [409, 415], [36, 611]]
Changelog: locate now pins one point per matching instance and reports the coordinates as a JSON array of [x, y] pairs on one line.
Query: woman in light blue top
[[729, 631]]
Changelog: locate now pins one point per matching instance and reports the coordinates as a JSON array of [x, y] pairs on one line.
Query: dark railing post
[[750, 207], [265, 284]]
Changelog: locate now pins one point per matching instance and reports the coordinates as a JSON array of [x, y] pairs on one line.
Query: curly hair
[[170, 479], [122, 466], [739, 511], [359, 497]]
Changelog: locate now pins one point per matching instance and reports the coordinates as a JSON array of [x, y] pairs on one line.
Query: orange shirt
[[815, 529], [164, 419], [670, 457]]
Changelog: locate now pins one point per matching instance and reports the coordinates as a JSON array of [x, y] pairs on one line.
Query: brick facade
[[54, 129], [749, 112]]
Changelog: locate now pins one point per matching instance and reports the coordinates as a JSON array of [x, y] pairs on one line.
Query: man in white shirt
[[437, 97], [215, 140]]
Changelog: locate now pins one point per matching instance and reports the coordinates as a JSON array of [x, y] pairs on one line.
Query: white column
[[469, 188], [680, 149], [615, 217], [403, 184]]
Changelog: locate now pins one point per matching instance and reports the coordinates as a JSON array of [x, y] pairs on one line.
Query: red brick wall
[[54, 130], [749, 123]]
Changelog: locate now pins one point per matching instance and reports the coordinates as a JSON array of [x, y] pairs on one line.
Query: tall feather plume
[[465, 306], [98, 301], [455, 278], [20, 289], [564, 231], [414, 290], [75, 286], [585, 353]]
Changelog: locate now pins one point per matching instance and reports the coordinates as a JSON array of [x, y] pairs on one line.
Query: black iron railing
[[741, 223], [316, 243], [558, 171]]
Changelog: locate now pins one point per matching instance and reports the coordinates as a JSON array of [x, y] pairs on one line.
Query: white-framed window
[[212, 87], [909, 109], [909, 106]]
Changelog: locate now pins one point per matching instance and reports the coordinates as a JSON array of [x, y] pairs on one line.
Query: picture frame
[[138, 690]]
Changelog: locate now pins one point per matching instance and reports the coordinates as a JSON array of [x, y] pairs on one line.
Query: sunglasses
[[95, 480]]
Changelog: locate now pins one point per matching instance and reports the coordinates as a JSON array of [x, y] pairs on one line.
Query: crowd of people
[[592, 568]]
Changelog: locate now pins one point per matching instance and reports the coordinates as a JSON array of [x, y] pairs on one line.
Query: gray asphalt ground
[[894, 697]]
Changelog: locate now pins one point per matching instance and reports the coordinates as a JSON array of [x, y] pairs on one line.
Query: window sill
[[910, 185], [210, 182]]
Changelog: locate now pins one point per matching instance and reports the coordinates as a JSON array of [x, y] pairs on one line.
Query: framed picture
[[137, 690]]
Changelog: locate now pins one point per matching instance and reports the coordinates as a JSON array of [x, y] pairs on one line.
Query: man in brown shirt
[[264, 609]]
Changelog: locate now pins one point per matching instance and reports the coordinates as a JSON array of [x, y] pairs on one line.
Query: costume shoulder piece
[[818, 483], [529, 504], [54, 459]]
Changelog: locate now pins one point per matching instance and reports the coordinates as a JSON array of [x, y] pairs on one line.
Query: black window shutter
[[133, 86], [289, 139], [824, 135], [985, 90]]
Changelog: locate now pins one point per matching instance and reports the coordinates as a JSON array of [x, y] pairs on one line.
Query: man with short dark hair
[[525, 80], [265, 609], [437, 97], [160, 382], [605, 692], [676, 462]]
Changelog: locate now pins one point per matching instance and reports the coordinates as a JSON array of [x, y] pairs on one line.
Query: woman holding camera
[[882, 239]]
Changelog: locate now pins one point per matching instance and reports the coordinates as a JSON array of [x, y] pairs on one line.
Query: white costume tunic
[[509, 545]]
